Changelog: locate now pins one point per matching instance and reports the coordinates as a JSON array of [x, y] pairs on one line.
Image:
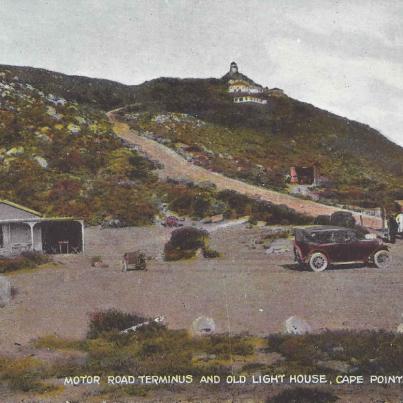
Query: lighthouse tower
[[233, 69]]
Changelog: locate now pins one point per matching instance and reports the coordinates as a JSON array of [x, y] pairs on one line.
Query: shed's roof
[[18, 206], [39, 219]]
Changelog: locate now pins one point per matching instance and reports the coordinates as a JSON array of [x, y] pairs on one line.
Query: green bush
[[185, 242], [35, 257], [238, 204], [371, 352], [27, 260], [223, 346], [111, 320], [210, 253], [173, 254], [303, 395], [24, 374], [189, 238], [200, 202]]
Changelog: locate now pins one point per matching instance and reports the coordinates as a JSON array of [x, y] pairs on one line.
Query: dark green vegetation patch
[[27, 260]]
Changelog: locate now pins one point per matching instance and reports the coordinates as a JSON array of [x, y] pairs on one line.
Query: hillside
[[259, 143], [256, 143], [62, 158], [104, 94]]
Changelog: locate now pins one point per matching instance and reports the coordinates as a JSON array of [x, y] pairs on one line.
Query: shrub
[[53, 342], [210, 253], [27, 260], [111, 320], [173, 254], [282, 214], [197, 202], [267, 239], [191, 200], [303, 395], [188, 238], [35, 257], [224, 346], [24, 374], [371, 352], [238, 204], [185, 242]]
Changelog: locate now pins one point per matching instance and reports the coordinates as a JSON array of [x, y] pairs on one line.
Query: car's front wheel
[[318, 261], [382, 259]]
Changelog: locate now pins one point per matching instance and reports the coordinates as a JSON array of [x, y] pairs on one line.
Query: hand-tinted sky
[[343, 56]]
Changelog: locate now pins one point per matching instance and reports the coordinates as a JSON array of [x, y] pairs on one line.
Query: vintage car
[[320, 246]]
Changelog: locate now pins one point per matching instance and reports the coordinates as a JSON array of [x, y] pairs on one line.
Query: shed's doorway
[[60, 237]]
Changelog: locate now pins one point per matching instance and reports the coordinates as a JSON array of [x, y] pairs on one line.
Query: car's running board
[[353, 262]]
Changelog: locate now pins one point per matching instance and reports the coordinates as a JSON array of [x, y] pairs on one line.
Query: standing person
[[392, 229], [399, 220]]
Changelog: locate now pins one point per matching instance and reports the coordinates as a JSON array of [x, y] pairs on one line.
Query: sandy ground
[[175, 166], [245, 290]]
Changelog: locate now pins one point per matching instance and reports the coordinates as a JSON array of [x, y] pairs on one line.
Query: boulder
[[400, 328], [213, 219], [203, 326], [207, 185], [73, 129], [279, 246], [217, 218], [296, 325], [5, 291], [41, 161], [113, 223], [206, 220], [15, 151]]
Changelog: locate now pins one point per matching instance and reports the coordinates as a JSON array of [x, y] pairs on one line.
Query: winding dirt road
[[175, 166]]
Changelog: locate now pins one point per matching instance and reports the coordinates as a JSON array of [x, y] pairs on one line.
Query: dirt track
[[245, 290], [175, 166]]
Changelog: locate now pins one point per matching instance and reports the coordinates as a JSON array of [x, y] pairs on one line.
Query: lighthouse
[[233, 69]]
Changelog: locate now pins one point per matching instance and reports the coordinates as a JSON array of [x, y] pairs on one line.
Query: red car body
[[338, 244]]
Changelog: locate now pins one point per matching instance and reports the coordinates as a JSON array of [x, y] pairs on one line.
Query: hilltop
[[256, 143], [259, 143], [100, 93]]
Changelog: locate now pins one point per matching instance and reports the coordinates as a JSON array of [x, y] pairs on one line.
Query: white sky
[[343, 56]]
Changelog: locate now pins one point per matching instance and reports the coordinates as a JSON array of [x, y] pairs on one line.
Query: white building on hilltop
[[249, 98], [243, 86], [246, 91]]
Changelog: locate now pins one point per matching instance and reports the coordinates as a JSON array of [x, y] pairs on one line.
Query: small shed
[[23, 229], [304, 175]]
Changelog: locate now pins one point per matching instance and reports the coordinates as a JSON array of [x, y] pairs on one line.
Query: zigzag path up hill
[[176, 167]]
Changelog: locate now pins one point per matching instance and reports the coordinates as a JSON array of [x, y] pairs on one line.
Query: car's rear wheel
[[382, 259], [318, 261]]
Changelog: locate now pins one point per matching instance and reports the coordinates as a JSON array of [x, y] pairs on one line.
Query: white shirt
[[399, 220]]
